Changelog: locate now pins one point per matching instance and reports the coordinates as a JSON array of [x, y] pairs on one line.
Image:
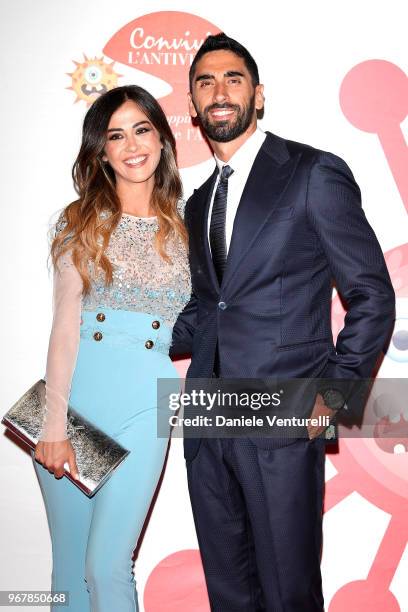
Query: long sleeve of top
[[62, 348]]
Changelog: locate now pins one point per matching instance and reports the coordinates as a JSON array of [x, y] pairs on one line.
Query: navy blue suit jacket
[[299, 226]]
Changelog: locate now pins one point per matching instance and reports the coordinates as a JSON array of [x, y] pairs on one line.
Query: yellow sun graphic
[[91, 78]]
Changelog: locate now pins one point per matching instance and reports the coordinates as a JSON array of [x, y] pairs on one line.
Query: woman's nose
[[132, 143]]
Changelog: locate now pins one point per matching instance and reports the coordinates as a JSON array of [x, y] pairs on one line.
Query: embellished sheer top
[[142, 281]]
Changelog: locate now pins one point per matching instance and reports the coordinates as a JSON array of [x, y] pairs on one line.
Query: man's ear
[[191, 107], [259, 97]]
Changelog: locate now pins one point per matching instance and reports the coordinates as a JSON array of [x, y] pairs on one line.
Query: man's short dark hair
[[222, 42]]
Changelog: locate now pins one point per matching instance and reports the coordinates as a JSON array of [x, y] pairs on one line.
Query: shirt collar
[[244, 157]]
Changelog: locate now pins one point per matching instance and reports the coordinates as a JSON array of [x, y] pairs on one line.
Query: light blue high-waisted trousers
[[115, 386]]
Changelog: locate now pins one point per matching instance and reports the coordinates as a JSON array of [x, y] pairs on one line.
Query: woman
[[121, 277]]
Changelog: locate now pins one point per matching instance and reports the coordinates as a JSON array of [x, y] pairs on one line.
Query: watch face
[[333, 399]]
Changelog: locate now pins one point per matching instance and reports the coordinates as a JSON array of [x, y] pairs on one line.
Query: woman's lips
[[136, 161]]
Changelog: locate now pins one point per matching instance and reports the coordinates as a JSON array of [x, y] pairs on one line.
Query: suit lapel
[[266, 184]]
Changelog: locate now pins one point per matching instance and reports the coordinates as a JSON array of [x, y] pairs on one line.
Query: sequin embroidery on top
[[142, 280]]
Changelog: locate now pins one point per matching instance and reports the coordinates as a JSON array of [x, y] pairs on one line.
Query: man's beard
[[223, 131]]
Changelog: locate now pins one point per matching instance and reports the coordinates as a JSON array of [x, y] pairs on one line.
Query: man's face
[[223, 96]]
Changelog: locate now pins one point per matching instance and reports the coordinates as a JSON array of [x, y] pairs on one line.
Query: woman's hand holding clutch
[[54, 455]]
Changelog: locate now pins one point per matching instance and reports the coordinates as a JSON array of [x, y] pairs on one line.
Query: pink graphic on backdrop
[[374, 98], [379, 472], [164, 44], [177, 584]]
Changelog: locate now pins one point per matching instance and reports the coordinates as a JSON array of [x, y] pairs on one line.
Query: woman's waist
[[116, 327]]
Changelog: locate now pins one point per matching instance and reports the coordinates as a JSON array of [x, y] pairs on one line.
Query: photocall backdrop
[[334, 76]]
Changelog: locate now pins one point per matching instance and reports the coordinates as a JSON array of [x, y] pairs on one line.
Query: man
[[269, 230]]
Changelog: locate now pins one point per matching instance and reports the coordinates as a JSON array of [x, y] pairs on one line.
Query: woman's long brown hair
[[84, 232]]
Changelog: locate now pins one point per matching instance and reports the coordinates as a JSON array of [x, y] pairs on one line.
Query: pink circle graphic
[[374, 94], [361, 596], [374, 98]]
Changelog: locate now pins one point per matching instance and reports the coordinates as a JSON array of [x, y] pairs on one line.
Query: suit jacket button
[[97, 336], [100, 316], [156, 324], [222, 305], [149, 344]]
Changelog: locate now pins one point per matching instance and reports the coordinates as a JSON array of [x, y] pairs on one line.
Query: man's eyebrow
[[133, 126], [229, 73], [233, 73], [204, 77]]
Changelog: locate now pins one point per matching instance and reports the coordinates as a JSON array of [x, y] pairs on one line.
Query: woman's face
[[133, 145]]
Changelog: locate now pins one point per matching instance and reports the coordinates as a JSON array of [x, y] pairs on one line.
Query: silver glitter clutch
[[97, 454]]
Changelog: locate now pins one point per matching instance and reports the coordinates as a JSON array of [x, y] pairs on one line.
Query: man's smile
[[221, 113]]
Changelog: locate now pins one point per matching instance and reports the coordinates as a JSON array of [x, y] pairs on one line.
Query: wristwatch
[[334, 399]]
